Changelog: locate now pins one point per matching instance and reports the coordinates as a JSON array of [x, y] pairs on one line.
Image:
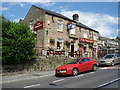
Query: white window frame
[[60, 25], [73, 30], [85, 33], [95, 37]]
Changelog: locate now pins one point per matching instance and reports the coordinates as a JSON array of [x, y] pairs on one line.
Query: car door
[[84, 65], [89, 63], [117, 58]]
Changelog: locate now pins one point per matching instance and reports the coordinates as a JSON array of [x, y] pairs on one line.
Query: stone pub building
[[59, 35]]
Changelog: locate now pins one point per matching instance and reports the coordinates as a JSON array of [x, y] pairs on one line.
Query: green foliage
[[18, 42]]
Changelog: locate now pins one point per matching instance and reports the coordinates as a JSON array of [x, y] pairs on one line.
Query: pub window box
[[91, 46], [80, 44]]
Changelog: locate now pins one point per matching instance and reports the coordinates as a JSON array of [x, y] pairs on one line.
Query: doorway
[[72, 50]]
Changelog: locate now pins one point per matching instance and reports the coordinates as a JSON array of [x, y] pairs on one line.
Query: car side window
[[85, 60], [118, 55]]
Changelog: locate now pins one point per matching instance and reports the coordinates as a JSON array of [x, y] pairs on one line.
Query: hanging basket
[[67, 42], [91, 46], [80, 44]]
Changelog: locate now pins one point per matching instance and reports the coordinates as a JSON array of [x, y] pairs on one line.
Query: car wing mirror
[[80, 62]]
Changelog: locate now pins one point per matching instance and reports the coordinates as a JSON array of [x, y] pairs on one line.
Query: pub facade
[[59, 35]]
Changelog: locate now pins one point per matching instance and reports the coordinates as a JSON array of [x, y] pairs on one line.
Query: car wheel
[[113, 63], [75, 72], [94, 68]]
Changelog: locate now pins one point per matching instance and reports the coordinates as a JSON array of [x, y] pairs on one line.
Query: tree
[[18, 42]]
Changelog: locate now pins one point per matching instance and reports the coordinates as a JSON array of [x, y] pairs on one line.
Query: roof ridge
[[62, 16]]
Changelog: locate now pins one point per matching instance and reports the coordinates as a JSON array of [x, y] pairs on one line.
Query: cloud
[[60, 0], [4, 8], [44, 3], [12, 15], [17, 19], [22, 5], [26, 0], [105, 24], [48, 3]]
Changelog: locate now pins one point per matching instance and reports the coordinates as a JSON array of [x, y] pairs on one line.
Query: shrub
[[18, 42]]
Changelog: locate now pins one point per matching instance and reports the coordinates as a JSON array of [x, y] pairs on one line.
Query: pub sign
[[38, 25]]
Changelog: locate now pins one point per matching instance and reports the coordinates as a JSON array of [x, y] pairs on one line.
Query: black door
[[72, 50]]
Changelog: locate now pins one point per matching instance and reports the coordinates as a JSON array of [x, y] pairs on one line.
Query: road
[[104, 77]]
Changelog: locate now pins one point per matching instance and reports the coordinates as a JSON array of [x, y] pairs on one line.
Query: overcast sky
[[101, 16]]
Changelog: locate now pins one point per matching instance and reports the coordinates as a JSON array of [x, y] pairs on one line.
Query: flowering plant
[[67, 42]]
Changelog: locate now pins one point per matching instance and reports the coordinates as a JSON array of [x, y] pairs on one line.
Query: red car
[[77, 66]]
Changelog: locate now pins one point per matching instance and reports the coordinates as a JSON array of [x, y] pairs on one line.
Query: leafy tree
[[18, 42]]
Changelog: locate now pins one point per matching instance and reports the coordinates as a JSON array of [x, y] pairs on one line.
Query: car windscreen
[[109, 56], [74, 61]]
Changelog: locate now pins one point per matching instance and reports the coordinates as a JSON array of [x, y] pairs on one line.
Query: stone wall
[[40, 64]]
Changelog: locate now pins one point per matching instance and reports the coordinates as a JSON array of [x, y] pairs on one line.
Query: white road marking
[[58, 80], [32, 86], [79, 75], [115, 67], [91, 72], [108, 83], [26, 78], [103, 68]]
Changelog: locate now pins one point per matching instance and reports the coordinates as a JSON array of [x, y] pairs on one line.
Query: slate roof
[[118, 38], [103, 38], [64, 17]]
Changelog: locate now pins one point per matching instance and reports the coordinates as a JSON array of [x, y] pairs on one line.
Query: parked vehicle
[[77, 66], [110, 59]]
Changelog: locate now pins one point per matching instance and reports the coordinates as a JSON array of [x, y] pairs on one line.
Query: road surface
[[104, 77]]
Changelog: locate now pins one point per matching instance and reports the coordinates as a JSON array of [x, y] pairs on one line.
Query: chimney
[[76, 17]]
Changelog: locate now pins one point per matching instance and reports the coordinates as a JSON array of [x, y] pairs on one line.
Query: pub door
[[72, 50]]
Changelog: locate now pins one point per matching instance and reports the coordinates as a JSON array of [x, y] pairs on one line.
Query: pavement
[[27, 76], [102, 78]]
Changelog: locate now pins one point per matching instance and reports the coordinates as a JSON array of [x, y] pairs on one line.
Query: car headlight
[[63, 70], [109, 60]]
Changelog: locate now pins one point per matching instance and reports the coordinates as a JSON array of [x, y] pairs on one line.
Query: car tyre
[[94, 67], [113, 63], [75, 72]]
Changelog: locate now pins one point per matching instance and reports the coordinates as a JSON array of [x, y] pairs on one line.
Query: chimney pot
[[76, 17]]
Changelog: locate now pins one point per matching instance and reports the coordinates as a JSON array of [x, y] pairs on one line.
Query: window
[[59, 44], [95, 36], [85, 33], [85, 60], [72, 31], [60, 25], [31, 24], [117, 55]]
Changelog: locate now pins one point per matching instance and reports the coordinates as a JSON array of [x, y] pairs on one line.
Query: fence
[[61, 53]]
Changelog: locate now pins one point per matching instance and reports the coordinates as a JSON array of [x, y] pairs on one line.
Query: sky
[[101, 16]]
